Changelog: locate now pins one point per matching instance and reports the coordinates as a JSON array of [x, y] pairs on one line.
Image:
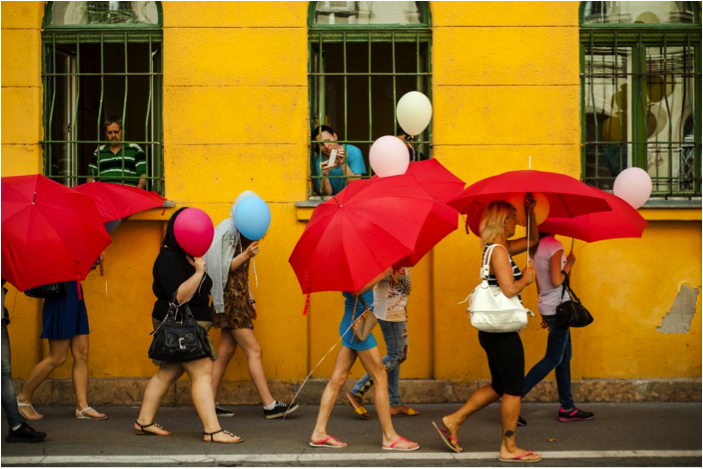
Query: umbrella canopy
[[360, 232], [50, 233], [117, 201], [442, 185], [623, 222]]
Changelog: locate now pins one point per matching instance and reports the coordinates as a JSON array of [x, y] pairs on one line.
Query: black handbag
[[179, 338], [50, 290], [572, 313]]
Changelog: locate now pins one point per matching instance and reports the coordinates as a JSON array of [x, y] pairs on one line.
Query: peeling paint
[[678, 319]]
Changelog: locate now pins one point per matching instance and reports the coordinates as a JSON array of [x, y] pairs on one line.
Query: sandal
[[359, 409], [221, 430], [410, 412], [521, 458], [81, 414], [392, 447], [19, 408], [447, 438], [327, 443], [144, 432]]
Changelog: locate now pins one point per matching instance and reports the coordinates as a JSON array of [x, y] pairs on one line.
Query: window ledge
[[305, 208], [672, 210]]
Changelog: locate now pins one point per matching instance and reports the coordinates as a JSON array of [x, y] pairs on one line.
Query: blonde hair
[[493, 220]]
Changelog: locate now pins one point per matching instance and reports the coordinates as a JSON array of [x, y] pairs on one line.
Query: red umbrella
[[442, 185], [117, 201], [358, 233], [568, 197], [623, 222], [50, 233]]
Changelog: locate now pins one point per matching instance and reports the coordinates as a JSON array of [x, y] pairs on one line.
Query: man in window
[[354, 167], [119, 162]]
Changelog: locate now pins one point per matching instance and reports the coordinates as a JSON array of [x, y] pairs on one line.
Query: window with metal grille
[[641, 94], [364, 56], [103, 60]]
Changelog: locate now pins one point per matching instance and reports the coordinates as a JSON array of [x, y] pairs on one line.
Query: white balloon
[[634, 186], [389, 156], [414, 112]]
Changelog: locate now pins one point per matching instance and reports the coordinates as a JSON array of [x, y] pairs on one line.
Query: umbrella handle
[[395, 280], [102, 269]]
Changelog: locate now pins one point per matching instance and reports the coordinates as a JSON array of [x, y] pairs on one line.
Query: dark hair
[[322, 128], [399, 131], [112, 120]]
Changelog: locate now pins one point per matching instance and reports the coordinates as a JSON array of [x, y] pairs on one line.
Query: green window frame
[[347, 40], [78, 66], [632, 76]]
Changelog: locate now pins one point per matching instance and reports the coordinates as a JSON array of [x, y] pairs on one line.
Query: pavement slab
[[622, 434]]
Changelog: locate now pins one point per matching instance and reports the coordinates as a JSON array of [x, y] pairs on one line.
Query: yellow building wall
[[505, 86]]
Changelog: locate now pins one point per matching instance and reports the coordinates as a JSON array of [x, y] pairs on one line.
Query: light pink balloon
[[389, 156], [634, 186]]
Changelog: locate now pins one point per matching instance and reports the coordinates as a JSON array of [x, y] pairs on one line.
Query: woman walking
[[234, 310], [552, 268], [391, 311], [65, 325], [367, 351], [506, 358], [176, 272]]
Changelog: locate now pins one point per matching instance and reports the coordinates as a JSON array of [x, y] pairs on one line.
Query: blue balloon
[[253, 218]]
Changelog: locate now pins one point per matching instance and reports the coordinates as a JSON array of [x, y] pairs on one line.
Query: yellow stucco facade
[[505, 85]]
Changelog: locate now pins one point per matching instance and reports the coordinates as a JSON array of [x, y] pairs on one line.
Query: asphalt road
[[643, 434]]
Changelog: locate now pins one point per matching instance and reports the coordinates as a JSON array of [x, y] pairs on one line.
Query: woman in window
[[332, 176], [506, 357], [367, 351], [176, 272], [391, 300], [65, 325], [234, 310]]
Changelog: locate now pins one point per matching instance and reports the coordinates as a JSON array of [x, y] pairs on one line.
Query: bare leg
[[200, 373], [79, 350], [509, 412], [478, 400], [345, 359], [247, 340], [225, 353], [58, 352], [154, 393], [371, 359]]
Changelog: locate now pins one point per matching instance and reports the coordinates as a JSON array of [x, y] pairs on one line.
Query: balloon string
[[256, 277]]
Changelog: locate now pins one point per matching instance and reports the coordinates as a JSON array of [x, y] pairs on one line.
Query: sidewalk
[[643, 434]]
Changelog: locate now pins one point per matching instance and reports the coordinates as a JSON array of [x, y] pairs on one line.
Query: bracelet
[[245, 255], [251, 302]]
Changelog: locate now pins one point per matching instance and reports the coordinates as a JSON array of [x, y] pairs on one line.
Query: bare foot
[[28, 411], [151, 429], [222, 436], [453, 430], [399, 443], [402, 410], [519, 454]]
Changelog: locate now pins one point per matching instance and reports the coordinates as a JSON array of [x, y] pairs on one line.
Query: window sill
[[672, 210], [305, 208]]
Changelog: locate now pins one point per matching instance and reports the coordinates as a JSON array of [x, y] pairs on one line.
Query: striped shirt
[[110, 164], [517, 273]]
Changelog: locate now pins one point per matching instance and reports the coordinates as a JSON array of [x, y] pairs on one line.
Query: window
[[640, 94], [364, 56], [102, 60]]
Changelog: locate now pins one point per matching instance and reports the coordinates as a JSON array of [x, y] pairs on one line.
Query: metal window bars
[[641, 106], [365, 62], [86, 77]]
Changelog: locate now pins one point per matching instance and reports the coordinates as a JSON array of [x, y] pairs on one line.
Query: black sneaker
[[222, 412], [279, 410], [521, 422], [574, 415], [25, 434]]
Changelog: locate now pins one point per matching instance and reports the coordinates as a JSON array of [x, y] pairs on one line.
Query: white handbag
[[490, 310]]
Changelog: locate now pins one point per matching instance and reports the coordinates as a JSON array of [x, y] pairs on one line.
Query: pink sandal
[[326, 443], [392, 447]]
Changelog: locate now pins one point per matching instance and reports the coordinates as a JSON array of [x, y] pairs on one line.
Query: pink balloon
[[389, 156], [634, 186], [194, 231]]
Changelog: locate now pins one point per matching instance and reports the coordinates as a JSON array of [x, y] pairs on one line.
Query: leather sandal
[[141, 431], [221, 430], [359, 409]]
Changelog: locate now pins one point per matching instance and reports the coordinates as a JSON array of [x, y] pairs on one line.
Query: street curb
[[129, 391]]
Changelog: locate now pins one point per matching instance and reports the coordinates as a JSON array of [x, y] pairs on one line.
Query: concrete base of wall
[[129, 391]]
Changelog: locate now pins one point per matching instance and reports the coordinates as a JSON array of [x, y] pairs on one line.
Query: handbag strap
[[486, 267], [567, 287]]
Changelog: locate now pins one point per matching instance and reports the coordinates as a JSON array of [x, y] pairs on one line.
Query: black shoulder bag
[[572, 313], [179, 338], [51, 290]]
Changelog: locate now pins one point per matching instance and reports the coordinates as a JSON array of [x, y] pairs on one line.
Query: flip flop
[[38, 415], [447, 438], [521, 457], [327, 444], [81, 414], [360, 410], [392, 447]]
